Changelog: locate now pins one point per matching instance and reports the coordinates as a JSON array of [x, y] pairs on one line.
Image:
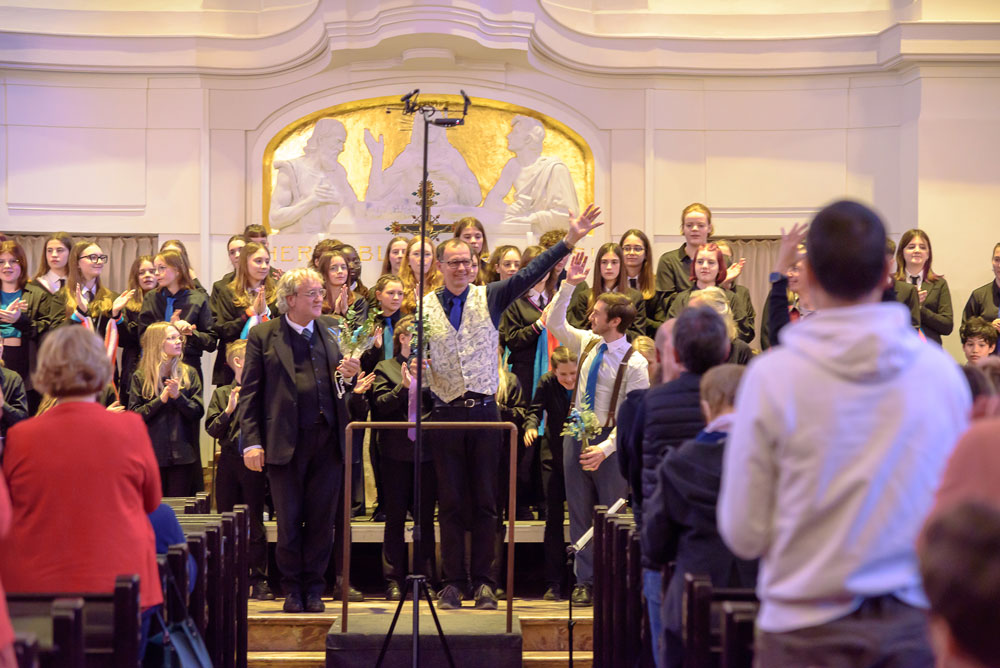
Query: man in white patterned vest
[[463, 375]]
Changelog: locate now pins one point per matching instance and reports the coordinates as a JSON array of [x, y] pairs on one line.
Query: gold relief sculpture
[[497, 139]]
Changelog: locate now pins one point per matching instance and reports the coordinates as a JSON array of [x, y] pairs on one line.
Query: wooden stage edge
[[365, 531], [526, 607]]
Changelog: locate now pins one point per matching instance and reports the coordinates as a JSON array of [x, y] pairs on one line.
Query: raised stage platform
[[300, 641]]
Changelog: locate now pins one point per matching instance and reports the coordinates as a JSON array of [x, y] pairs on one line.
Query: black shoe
[[293, 602], [553, 593], [314, 603], [450, 598], [261, 592], [485, 598], [393, 592], [353, 595], [524, 514], [582, 596], [378, 516]]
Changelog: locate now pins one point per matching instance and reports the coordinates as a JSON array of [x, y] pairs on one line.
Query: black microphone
[[448, 122]]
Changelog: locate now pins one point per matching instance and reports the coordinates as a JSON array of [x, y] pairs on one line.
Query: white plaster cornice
[[334, 33]]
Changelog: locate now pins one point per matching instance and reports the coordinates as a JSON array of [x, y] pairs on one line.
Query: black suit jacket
[[268, 413]]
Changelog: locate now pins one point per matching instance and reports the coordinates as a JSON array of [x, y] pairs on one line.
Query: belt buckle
[[469, 403]]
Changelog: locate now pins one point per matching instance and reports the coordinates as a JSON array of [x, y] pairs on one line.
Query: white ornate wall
[[123, 119]]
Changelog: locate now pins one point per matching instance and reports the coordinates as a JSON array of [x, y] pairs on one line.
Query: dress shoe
[[393, 592], [485, 598], [553, 593], [293, 602], [353, 595], [450, 598], [524, 514], [378, 516], [582, 596], [314, 603], [261, 592]]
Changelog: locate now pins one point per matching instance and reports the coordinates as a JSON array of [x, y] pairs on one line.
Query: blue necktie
[[592, 375], [387, 339], [168, 311], [455, 312]]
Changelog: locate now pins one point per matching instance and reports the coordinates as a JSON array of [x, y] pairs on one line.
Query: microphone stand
[[418, 582]]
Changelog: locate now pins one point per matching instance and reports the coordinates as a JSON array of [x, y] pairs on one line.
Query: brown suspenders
[[619, 377]]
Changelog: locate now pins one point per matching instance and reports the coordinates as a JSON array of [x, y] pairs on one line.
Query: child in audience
[[542, 428], [234, 482], [979, 339], [960, 565], [166, 392], [681, 511]]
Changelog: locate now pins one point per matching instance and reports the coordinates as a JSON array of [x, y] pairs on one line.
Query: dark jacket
[[194, 308], [390, 403], [680, 522], [519, 333], [983, 302], [631, 420], [672, 416], [41, 314], [223, 427], [743, 313], [173, 425], [673, 272], [229, 320], [905, 294], [15, 400], [577, 312], [937, 318], [129, 342], [268, 413], [551, 400]]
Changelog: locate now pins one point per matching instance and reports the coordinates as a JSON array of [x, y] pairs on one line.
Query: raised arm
[[554, 317]]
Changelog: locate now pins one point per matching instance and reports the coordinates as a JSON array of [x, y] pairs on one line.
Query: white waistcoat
[[466, 360]]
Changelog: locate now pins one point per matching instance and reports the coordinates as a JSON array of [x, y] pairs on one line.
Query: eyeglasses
[[96, 259], [455, 264], [312, 294], [9, 263], [633, 249]]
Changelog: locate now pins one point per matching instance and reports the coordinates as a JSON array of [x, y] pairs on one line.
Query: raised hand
[[343, 299], [788, 252], [234, 397], [734, 271], [120, 301], [407, 379], [581, 226], [79, 300], [576, 270], [364, 382], [375, 147], [377, 336]]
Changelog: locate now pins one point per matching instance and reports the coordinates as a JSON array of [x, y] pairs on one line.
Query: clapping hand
[[116, 407], [364, 382], [788, 252], [120, 301], [406, 379], [80, 306], [349, 367], [343, 300], [172, 386], [583, 224], [922, 295], [734, 271], [12, 313], [259, 303], [234, 397], [576, 270], [377, 335]]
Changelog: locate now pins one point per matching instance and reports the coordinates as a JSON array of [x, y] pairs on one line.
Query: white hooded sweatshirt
[[840, 439]]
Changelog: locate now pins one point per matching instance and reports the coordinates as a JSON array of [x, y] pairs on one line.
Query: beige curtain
[[121, 251], [760, 255]]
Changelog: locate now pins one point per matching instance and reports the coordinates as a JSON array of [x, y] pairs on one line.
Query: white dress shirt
[[636, 373]]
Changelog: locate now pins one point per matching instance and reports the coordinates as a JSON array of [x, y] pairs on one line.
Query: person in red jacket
[[82, 481], [7, 656]]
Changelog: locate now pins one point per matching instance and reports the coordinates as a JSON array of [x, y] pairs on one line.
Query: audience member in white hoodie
[[840, 438]]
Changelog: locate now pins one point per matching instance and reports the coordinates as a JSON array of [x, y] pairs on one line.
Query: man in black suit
[[293, 412]]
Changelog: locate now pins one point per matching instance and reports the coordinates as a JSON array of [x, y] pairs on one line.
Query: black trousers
[[555, 499], [305, 493], [235, 484], [182, 479], [396, 500], [465, 462]]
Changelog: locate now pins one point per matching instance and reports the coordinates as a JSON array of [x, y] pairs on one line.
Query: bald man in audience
[[833, 460]]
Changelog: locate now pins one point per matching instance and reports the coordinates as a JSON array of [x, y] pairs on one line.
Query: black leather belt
[[467, 401]]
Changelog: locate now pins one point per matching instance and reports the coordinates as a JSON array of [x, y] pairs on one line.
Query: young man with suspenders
[[608, 370]]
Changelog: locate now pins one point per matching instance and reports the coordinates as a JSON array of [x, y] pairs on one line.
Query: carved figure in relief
[[312, 189], [391, 189], [545, 196]]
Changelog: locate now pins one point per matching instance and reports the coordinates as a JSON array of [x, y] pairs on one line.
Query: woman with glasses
[[141, 280], [177, 301], [242, 303], [638, 257], [609, 276], [26, 314], [53, 267], [83, 299]]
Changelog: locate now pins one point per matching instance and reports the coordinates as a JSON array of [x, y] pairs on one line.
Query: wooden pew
[[633, 604], [26, 649], [597, 545], [197, 543], [737, 634], [702, 642], [96, 630]]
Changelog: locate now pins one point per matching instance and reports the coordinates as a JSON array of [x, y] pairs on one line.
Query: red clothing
[[82, 482], [6, 630], [973, 470]]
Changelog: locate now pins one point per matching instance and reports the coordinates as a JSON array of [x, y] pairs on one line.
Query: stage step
[[280, 632], [551, 633], [534, 659], [293, 659]]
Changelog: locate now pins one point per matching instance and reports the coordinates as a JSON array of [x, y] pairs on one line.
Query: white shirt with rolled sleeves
[[636, 373]]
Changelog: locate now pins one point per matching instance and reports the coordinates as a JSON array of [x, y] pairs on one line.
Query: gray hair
[[715, 298], [290, 282]]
